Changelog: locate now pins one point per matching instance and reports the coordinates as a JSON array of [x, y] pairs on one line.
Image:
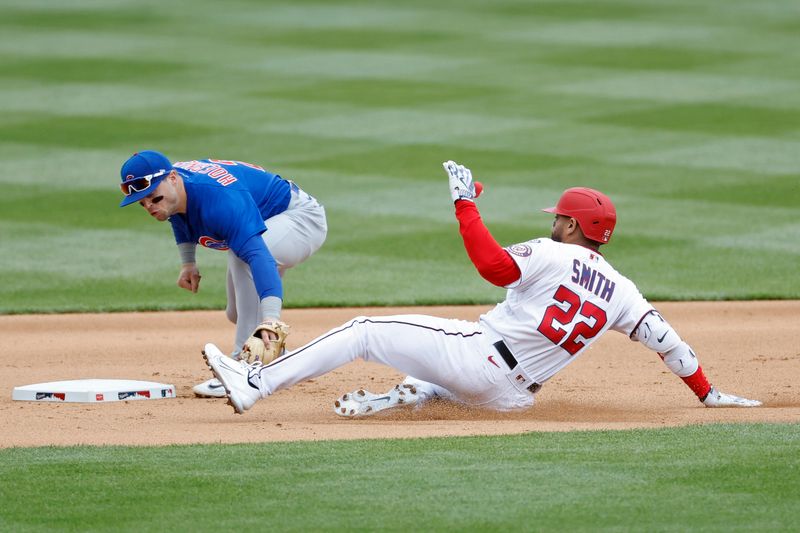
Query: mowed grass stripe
[[721, 477], [677, 87], [107, 131], [719, 119]]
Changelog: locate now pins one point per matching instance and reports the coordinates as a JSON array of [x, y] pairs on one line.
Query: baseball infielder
[[266, 224], [562, 296]]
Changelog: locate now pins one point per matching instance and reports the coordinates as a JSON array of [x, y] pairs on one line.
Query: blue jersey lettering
[[592, 280]]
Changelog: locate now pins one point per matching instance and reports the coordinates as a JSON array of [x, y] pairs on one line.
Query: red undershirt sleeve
[[492, 261], [698, 383]]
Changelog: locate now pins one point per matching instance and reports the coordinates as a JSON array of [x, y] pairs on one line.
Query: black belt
[[512, 363]]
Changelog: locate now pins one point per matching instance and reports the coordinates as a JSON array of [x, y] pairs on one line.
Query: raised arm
[[490, 259]]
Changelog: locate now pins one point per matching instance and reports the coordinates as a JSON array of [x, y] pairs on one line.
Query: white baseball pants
[[446, 357]]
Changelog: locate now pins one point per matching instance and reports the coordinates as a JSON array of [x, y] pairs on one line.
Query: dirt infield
[[748, 348]]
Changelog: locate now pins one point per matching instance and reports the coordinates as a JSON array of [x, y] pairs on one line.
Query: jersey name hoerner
[[270, 192], [227, 202], [565, 299]]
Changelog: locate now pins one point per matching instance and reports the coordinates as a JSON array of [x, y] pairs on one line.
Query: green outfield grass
[[686, 113], [712, 478]]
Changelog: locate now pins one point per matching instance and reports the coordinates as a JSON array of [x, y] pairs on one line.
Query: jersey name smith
[[592, 280]]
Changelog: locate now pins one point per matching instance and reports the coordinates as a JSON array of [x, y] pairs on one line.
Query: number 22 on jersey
[[556, 319]]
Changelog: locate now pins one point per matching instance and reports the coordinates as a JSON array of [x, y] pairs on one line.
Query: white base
[[94, 391]]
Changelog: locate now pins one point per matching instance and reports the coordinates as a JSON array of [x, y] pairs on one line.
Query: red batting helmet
[[593, 210]]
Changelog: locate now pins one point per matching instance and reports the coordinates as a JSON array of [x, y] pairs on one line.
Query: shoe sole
[[236, 409], [343, 410], [344, 405]]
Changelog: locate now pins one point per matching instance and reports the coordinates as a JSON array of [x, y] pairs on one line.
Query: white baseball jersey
[[565, 299]]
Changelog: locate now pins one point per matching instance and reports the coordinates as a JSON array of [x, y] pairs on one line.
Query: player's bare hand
[[462, 187], [717, 398], [267, 336], [189, 278]]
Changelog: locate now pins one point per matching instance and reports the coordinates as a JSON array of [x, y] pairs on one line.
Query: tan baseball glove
[[255, 349]]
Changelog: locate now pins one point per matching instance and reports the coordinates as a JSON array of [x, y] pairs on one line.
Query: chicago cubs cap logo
[[522, 250], [214, 244]]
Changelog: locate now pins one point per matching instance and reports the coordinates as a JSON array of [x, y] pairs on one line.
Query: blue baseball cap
[[141, 174]]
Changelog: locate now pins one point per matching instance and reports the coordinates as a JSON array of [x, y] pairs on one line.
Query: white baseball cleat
[[364, 403], [239, 379], [717, 398], [211, 388]]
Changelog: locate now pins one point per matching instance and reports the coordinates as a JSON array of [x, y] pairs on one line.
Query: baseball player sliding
[[562, 296], [266, 224]]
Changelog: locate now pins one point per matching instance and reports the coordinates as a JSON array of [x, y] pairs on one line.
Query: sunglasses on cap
[[139, 184]]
